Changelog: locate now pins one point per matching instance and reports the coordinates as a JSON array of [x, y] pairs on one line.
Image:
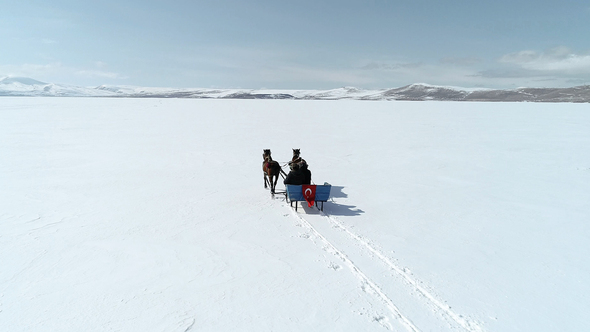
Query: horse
[[271, 170], [267, 153], [297, 158]]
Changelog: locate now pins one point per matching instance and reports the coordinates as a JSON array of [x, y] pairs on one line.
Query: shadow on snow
[[331, 207]]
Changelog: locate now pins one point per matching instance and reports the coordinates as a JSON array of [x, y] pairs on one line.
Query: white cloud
[[560, 60], [390, 66], [56, 72], [301, 73], [99, 73], [553, 68], [461, 61], [31, 70], [448, 71], [256, 67], [100, 64]]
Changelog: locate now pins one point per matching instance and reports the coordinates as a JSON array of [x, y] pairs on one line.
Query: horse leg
[[272, 187], [275, 184], [265, 181]]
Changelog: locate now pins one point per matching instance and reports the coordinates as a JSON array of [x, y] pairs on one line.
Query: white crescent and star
[[306, 194]]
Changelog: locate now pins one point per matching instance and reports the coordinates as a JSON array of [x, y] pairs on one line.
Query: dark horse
[[297, 158], [271, 170]]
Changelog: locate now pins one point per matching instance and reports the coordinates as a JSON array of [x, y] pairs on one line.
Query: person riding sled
[[295, 176]]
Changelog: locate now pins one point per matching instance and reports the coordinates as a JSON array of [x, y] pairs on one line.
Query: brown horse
[[271, 170]]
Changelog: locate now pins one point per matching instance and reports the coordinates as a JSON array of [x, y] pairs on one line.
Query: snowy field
[[151, 215]]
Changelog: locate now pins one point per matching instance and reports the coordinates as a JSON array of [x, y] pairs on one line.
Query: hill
[[19, 86]]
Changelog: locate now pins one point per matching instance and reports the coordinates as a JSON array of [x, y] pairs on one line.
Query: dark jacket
[[294, 177], [306, 174]]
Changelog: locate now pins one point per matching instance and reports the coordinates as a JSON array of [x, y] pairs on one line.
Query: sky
[[372, 44]]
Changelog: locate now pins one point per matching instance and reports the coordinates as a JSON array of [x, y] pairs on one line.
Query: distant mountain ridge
[[23, 86]]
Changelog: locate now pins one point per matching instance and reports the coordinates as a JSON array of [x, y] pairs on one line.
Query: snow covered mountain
[[430, 92], [22, 86]]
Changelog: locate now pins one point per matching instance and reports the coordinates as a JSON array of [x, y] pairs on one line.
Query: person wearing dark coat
[[295, 176], [306, 174]]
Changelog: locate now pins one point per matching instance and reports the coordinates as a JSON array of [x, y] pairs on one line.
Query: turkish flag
[[309, 193]]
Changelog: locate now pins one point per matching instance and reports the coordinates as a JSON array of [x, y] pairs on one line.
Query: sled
[[294, 194]]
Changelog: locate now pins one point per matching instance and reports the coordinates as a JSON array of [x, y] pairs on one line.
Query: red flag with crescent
[[309, 194]]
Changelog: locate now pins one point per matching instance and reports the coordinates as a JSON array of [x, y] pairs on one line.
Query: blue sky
[[297, 44]]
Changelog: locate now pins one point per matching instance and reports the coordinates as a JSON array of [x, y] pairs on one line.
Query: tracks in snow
[[427, 298], [396, 312]]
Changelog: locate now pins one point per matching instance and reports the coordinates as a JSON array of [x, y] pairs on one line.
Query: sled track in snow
[[466, 324], [389, 303]]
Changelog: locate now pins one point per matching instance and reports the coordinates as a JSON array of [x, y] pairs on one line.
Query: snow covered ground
[[150, 215]]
